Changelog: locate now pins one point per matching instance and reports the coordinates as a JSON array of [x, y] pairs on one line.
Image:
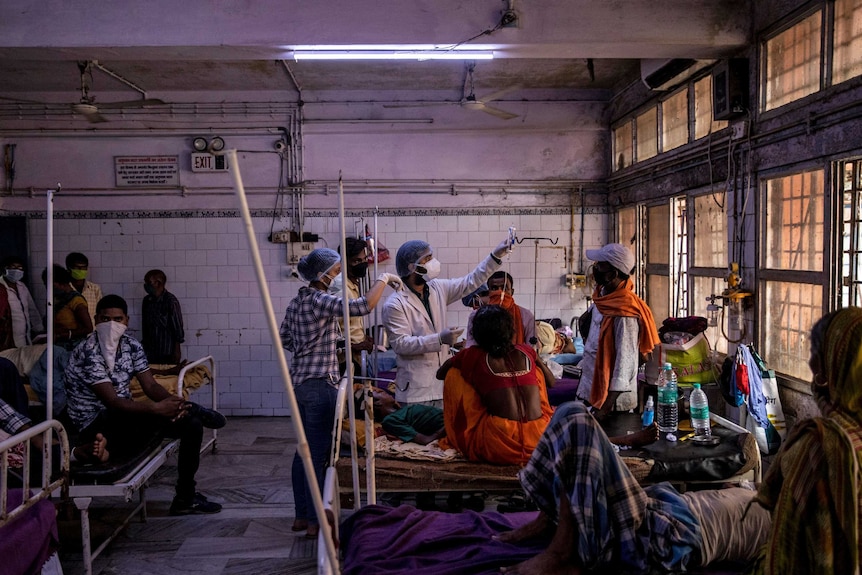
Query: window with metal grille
[[658, 261], [646, 134], [793, 63], [623, 146], [792, 275], [847, 40], [708, 236], [674, 120], [850, 291]]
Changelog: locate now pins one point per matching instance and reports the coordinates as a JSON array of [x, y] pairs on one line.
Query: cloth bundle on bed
[[27, 542], [379, 539], [196, 377]]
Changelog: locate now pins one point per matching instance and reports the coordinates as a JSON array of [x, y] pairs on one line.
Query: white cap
[[617, 255]]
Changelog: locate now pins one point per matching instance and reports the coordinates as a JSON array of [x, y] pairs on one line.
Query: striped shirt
[[310, 331], [162, 327]]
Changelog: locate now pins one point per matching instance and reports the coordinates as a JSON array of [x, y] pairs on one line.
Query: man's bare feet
[[538, 526], [558, 558], [640, 438], [94, 452]]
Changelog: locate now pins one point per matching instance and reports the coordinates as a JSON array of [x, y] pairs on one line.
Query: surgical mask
[[149, 289], [78, 274], [359, 270], [431, 269], [603, 278], [14, 275], [110, 333]]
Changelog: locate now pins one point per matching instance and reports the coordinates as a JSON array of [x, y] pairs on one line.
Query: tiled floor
[[250, 475]]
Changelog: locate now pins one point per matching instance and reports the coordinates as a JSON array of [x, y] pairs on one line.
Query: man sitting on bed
[[495, 404], [100, 402]]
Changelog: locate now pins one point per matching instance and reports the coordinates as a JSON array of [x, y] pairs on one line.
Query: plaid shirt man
[[310, 331]]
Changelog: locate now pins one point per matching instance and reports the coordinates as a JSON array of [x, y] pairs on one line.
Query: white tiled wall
[[208, 265]]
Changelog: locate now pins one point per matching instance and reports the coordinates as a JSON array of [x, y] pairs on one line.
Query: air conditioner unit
[[730, 89], [668, 74]]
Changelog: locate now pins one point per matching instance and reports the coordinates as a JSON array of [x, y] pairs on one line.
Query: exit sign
[[204, 162]]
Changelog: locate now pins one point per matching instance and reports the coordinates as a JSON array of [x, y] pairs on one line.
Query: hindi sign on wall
[[147, 171]]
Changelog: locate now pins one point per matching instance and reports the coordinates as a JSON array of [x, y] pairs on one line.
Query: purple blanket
[[27, 542], [387, 541]]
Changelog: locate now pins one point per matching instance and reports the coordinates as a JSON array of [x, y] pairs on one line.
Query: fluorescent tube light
[[392, 55]]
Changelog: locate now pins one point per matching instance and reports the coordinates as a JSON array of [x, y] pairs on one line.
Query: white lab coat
[[414, 336]]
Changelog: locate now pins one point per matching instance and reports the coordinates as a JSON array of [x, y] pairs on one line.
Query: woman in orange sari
[[495, 404]]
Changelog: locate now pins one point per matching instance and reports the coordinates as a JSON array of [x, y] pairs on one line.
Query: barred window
[[623, 146], [647, 135], [792, 271], [793, 63], [674, 120], [847, 40]]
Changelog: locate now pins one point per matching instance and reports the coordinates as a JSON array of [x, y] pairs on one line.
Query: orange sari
[[480, 436]]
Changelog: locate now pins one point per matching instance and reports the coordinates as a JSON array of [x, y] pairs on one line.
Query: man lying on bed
[[601, 517], [100, 401]]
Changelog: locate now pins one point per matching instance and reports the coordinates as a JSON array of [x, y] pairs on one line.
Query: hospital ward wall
[[458, 188]]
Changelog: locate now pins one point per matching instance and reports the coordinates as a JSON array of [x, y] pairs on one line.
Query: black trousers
[[129, 433]]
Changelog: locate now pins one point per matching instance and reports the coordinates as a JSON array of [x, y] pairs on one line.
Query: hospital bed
[[410, 541], [126, 478], [28, 520]]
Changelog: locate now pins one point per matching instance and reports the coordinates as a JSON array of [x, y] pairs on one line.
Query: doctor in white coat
[[415, 318]]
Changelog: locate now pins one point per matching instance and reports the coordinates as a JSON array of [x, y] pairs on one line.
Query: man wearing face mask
[[79, 268], [310, 332], [161, 321], [415, 318], [99, 401], [622, 333], [26, 321], [357, 269], [501, 292]]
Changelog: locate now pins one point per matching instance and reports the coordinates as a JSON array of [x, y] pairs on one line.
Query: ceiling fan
[[469, 101], [87, 106]]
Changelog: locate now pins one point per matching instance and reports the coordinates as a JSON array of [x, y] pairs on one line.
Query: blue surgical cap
[[317, 263], [408, 253]]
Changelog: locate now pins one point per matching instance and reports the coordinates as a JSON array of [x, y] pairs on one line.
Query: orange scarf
[[507, 302], [622, 302]]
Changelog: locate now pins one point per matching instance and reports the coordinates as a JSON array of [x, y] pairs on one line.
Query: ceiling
[[555, 50]]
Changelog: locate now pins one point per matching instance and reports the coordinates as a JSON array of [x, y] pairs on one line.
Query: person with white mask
[[310, 331], [415, 318], [99, 401], [26, 319]]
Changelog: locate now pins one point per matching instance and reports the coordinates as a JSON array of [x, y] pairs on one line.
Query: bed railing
[[46, 430]]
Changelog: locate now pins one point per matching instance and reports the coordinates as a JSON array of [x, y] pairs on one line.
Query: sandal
[[299, 525]]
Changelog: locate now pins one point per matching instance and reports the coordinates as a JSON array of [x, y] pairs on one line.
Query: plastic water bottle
[[700, 412], [668, 408], [649, 412]]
